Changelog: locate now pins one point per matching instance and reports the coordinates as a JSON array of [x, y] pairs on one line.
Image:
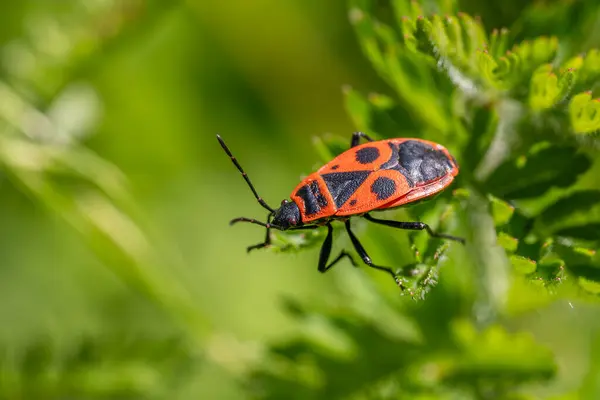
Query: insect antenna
[[239, 167]]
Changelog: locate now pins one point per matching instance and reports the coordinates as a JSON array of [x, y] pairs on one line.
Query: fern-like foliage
[[95, 368], [389, 356], [484, 66], [521, 120], [518, 115]]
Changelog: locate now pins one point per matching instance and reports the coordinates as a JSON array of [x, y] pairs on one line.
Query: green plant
[[117, 316], [522, 119]]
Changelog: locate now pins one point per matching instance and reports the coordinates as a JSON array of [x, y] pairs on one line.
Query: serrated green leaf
[[584, 113], [575, 63], [290, 242], [486, 65], [523, 265], [543, 91], [498, 42], [591, 65], [508, 242], [475, 38], [502, 212], [411, 9], [518, 64]]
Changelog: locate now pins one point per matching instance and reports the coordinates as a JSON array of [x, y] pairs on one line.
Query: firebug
[[373, 176]]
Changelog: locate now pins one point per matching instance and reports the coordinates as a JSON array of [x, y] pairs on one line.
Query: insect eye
[[285, 201]]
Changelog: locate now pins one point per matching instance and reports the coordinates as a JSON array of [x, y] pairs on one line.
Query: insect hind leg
[[413, 226], [365, 257]]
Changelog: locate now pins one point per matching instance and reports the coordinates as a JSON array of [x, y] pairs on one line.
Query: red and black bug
[[374, 176]]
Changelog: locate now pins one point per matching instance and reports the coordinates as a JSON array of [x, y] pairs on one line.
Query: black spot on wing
[[353, 202], [383, 187], [421, 162], [334, 167], [394, 164], [342, 185], [367, 155], [316, 191], [312, 197], [310, 203]]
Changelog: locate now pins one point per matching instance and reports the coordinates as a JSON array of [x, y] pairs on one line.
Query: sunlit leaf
[[584, 113], [494, 353]]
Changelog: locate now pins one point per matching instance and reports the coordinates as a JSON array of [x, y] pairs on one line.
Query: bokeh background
[[115, 196]]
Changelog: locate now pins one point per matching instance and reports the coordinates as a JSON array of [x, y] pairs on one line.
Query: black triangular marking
[[342, 185]]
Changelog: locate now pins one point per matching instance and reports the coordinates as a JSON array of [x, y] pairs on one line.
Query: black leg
[[413, 226], [326, 251], [365, 257], [356, 138], [267, 241]]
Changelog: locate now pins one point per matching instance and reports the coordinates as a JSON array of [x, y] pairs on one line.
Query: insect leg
[[365, 257], [267, 241], [326, 251], [356, 138], [414, 226], [268, 226], [252, 221], [239, 167]]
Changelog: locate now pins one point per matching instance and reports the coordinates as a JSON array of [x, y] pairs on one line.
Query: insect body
[[374, 176]]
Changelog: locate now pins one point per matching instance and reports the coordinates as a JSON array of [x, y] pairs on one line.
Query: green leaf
[[294, 241], [523, 265], [502, 212], [498, 43], [584, 113], [300, 370], [494, 355], [588, 68], [534, 174], [110, 367], [576, 215], [547, 89], [508, 242]]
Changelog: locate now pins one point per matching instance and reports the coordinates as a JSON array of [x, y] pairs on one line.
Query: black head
[[287, 216]]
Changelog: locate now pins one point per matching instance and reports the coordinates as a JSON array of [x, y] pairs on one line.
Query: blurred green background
[[114, 217]]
